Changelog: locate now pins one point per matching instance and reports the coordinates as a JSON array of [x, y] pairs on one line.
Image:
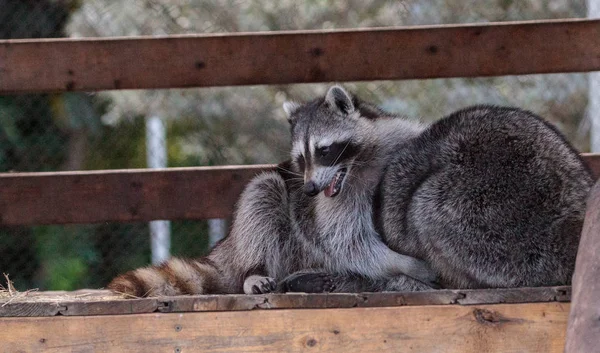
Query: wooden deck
[[502, 320]]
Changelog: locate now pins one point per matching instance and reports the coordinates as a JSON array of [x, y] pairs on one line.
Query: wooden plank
[[131, 195], [584, 328], [538, 327], [102, 302], [74, 303], [116, 307], [122, 195], [30, 308], [201, 303], [491, 49]]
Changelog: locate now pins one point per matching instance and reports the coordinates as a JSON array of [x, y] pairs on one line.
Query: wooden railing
[[131, 195], [122, 195], [55, 65], [50, 65], [302, 56]]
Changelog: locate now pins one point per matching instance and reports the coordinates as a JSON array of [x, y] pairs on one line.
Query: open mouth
[[335, 186]]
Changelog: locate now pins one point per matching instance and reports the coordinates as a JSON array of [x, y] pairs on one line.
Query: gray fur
[[337, 233], [490, 197], [486, 197], [259, 236], [278, 230]]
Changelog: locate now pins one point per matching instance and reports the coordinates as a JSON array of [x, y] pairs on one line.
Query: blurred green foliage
[[32, 140]]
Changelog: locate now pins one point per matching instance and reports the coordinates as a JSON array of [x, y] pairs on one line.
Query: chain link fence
[[216, 126]]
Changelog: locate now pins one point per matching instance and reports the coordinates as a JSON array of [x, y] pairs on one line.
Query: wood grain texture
[[584, 325], [122, 195], [102, 302], [494, 49], [538, 327], [131, 195], [25, 309]]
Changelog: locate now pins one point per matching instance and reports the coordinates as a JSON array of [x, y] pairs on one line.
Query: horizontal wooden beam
[[538, 327], [103, 302], [131, 195], [491, 49], [122, 195]]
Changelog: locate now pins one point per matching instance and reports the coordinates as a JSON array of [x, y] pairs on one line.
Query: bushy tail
[[261, 222], [174, 277]]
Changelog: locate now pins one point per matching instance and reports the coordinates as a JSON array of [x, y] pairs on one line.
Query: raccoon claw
[[266, 286], [309, 282], [259, 285]]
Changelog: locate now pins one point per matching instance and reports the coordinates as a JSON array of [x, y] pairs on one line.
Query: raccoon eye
[[323, 151], [300, 162]]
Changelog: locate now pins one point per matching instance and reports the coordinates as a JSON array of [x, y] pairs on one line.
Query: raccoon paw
[[309, 282], [259, 285]]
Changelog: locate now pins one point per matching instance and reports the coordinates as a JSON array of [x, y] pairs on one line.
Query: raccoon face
[[325, 141], [325, 166]]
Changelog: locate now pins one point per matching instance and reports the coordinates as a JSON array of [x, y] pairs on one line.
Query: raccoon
[[488, 196], [260, 248], [485, 197], [287, 235]]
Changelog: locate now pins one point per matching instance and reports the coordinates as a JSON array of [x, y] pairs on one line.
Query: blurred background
[[218, 126]]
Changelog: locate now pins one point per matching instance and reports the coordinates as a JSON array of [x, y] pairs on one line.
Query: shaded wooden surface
[[303, 56], [130, 195], [583, 333], [122, 195], [538, 327], [103, 302], [593, 161]]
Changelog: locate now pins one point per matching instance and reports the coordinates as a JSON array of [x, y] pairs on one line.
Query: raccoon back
[[492, 197]]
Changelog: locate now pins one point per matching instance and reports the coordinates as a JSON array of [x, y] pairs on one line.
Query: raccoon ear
[[290, 107], [339, 99]]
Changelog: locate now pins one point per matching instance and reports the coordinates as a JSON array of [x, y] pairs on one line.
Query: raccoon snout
[[311, 189]]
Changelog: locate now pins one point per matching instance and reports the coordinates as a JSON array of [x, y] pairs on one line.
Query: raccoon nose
[[310, 189]]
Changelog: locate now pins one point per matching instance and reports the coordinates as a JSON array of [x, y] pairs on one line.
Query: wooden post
[[593, 7], [584, 327], [156, 155]]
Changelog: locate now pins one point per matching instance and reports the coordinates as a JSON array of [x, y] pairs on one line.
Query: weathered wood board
[[583, 334], [103, 302], [301, 56], [122, 195], [131, 195], [536, 327]]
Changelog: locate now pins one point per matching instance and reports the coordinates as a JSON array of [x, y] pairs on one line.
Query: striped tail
[[174, 277]]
